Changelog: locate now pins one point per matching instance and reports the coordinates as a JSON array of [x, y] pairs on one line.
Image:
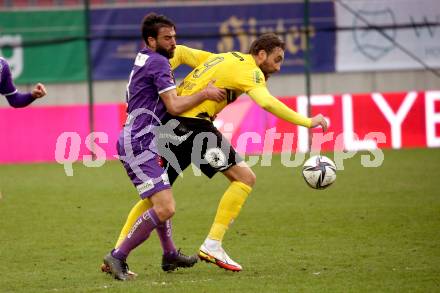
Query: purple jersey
[[151, 76], [6, 85]]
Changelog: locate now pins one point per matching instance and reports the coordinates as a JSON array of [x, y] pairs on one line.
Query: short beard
[[266, 73], [167, 54]]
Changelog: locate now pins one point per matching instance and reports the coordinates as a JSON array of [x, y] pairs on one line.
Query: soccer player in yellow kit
[[206, 147], [238, 73]]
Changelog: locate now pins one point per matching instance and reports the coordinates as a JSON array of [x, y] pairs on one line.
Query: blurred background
[[83, 51], [371, 67]]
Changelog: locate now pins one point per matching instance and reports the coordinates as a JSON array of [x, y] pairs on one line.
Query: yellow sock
[[229, 208], [139, 208]]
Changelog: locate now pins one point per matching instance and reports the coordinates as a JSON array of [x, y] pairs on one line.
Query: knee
[[241, 173], [165, 212], [249, 179]]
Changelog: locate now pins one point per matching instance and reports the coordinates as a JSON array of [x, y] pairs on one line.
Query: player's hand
[[319, 120], [214, 93], [39, 91]]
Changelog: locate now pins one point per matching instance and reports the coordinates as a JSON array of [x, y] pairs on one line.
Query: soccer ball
[[319, 172]]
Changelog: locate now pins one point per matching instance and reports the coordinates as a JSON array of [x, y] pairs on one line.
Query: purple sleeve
[[6, 85], [163, 77], [19, 100]]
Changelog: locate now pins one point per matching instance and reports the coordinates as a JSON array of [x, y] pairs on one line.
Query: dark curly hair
[[266, 42], [151, 24]]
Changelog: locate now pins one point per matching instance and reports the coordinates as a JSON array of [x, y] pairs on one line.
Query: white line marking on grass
[[72, 289], [110, 286], [154, 283]]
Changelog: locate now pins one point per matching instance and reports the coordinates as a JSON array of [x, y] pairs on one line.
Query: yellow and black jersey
[[238, 73]]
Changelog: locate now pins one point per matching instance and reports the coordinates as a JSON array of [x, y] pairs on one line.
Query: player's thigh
[[241, 172], [176, 151], [181, 160], [146, 173]]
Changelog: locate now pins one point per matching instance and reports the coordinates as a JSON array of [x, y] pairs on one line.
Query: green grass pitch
[[375, 230]]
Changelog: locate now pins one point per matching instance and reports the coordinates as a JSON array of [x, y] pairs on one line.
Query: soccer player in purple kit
[[15, 98], [151, 93]]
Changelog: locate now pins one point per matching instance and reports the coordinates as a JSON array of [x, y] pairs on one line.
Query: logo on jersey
[[215, 157], [257, 77], [141, 59]]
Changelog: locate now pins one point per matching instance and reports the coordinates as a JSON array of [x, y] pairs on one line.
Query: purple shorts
[[144, 167]]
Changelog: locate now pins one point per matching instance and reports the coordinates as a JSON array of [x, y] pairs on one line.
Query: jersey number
[[211, 63]]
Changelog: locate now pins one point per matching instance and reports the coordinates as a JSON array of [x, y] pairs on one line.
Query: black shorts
[[197, 141]]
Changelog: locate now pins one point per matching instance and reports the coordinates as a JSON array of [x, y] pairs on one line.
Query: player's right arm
[[271, 104], [177, 105], [188, 56]]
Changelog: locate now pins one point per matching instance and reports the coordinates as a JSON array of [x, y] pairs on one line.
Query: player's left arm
[[20, 100], [188, 56], [271, 104]]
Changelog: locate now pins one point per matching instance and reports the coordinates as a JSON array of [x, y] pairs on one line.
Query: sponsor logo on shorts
[[215, 157], [146, 186]]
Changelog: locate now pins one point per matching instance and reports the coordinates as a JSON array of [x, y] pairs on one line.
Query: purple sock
[[140, 232], [164, 230]]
